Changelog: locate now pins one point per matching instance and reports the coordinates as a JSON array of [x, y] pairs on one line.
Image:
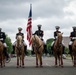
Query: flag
[[29, 26]]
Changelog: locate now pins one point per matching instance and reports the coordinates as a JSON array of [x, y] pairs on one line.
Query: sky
[[48, 13]]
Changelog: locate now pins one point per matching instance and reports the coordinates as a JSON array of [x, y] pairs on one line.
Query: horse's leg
[[55, 60], [61, 61], [40, 60], [4, 62], [1, 61], [17, 61], [59, 57], [36, 60], [20, 60], [74, 59], [23, 61]]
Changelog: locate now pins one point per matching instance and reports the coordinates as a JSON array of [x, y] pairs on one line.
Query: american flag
[[29, 26]]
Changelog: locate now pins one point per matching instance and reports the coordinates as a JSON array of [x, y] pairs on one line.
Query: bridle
[[36, 44], [59, 43], [19, 46]]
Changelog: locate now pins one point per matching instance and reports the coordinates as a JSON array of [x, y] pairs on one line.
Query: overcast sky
[[48, 13]]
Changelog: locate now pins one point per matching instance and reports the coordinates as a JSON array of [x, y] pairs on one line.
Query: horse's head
[[35, 39], [19, 39], [59, 38]]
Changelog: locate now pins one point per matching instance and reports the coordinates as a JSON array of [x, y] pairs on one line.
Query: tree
[[49, 42], [9, 43]]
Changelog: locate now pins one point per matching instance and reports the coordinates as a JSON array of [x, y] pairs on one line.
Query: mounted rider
[[40, 34], [72, 38], [22, 34], [2, 39], [55, 37]]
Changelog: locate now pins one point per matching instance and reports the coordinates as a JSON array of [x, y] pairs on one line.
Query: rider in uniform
[[55, 37], [2, 39], [72, 35], [20, 33], [40, 34]]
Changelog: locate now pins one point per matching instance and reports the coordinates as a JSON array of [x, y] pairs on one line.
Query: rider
[[20, 33], [55, 37], [2, 38], [40, 33], [72, 35]]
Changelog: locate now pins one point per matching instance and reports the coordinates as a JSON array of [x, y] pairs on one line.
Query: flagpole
[[31, 9], [29, 25], [31, 6]]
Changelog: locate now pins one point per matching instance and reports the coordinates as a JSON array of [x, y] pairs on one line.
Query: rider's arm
[[22, 35], [55, 35], [71, 35], [4, 36], [42, 33], [16, 36]]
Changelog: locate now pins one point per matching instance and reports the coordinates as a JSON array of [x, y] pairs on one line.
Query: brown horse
[[58, 50], [38, 48], [19, 48], [2, 57], [74, 53]]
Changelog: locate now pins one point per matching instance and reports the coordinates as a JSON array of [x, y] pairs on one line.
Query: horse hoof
[[59, 65], [74, 65], [4, 65], [23, 67], [36, 66], [62, 66], [56, 66], [1, 66], [41, 66], [17, 66]]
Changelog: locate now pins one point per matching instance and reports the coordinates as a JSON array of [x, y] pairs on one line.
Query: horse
[[58, 47], [73, 55], [38, 46], [2, 56], [19, 49]]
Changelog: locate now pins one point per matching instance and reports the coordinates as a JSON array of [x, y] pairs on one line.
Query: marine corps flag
[[29, 26]]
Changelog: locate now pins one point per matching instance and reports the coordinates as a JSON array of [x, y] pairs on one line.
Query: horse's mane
[[59, 34], [36, 38], [59, 38], [19, 37]]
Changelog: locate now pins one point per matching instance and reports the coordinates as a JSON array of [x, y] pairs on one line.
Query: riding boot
[[45, 49], [5, 53], [52, 47], [25, 50], [32, 51], [13, 52], [63, 50], [70, 49]]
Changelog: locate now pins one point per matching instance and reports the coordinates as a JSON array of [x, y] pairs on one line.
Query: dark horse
[[19, 48], [58, 48], [2, 57], [38, 48]]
